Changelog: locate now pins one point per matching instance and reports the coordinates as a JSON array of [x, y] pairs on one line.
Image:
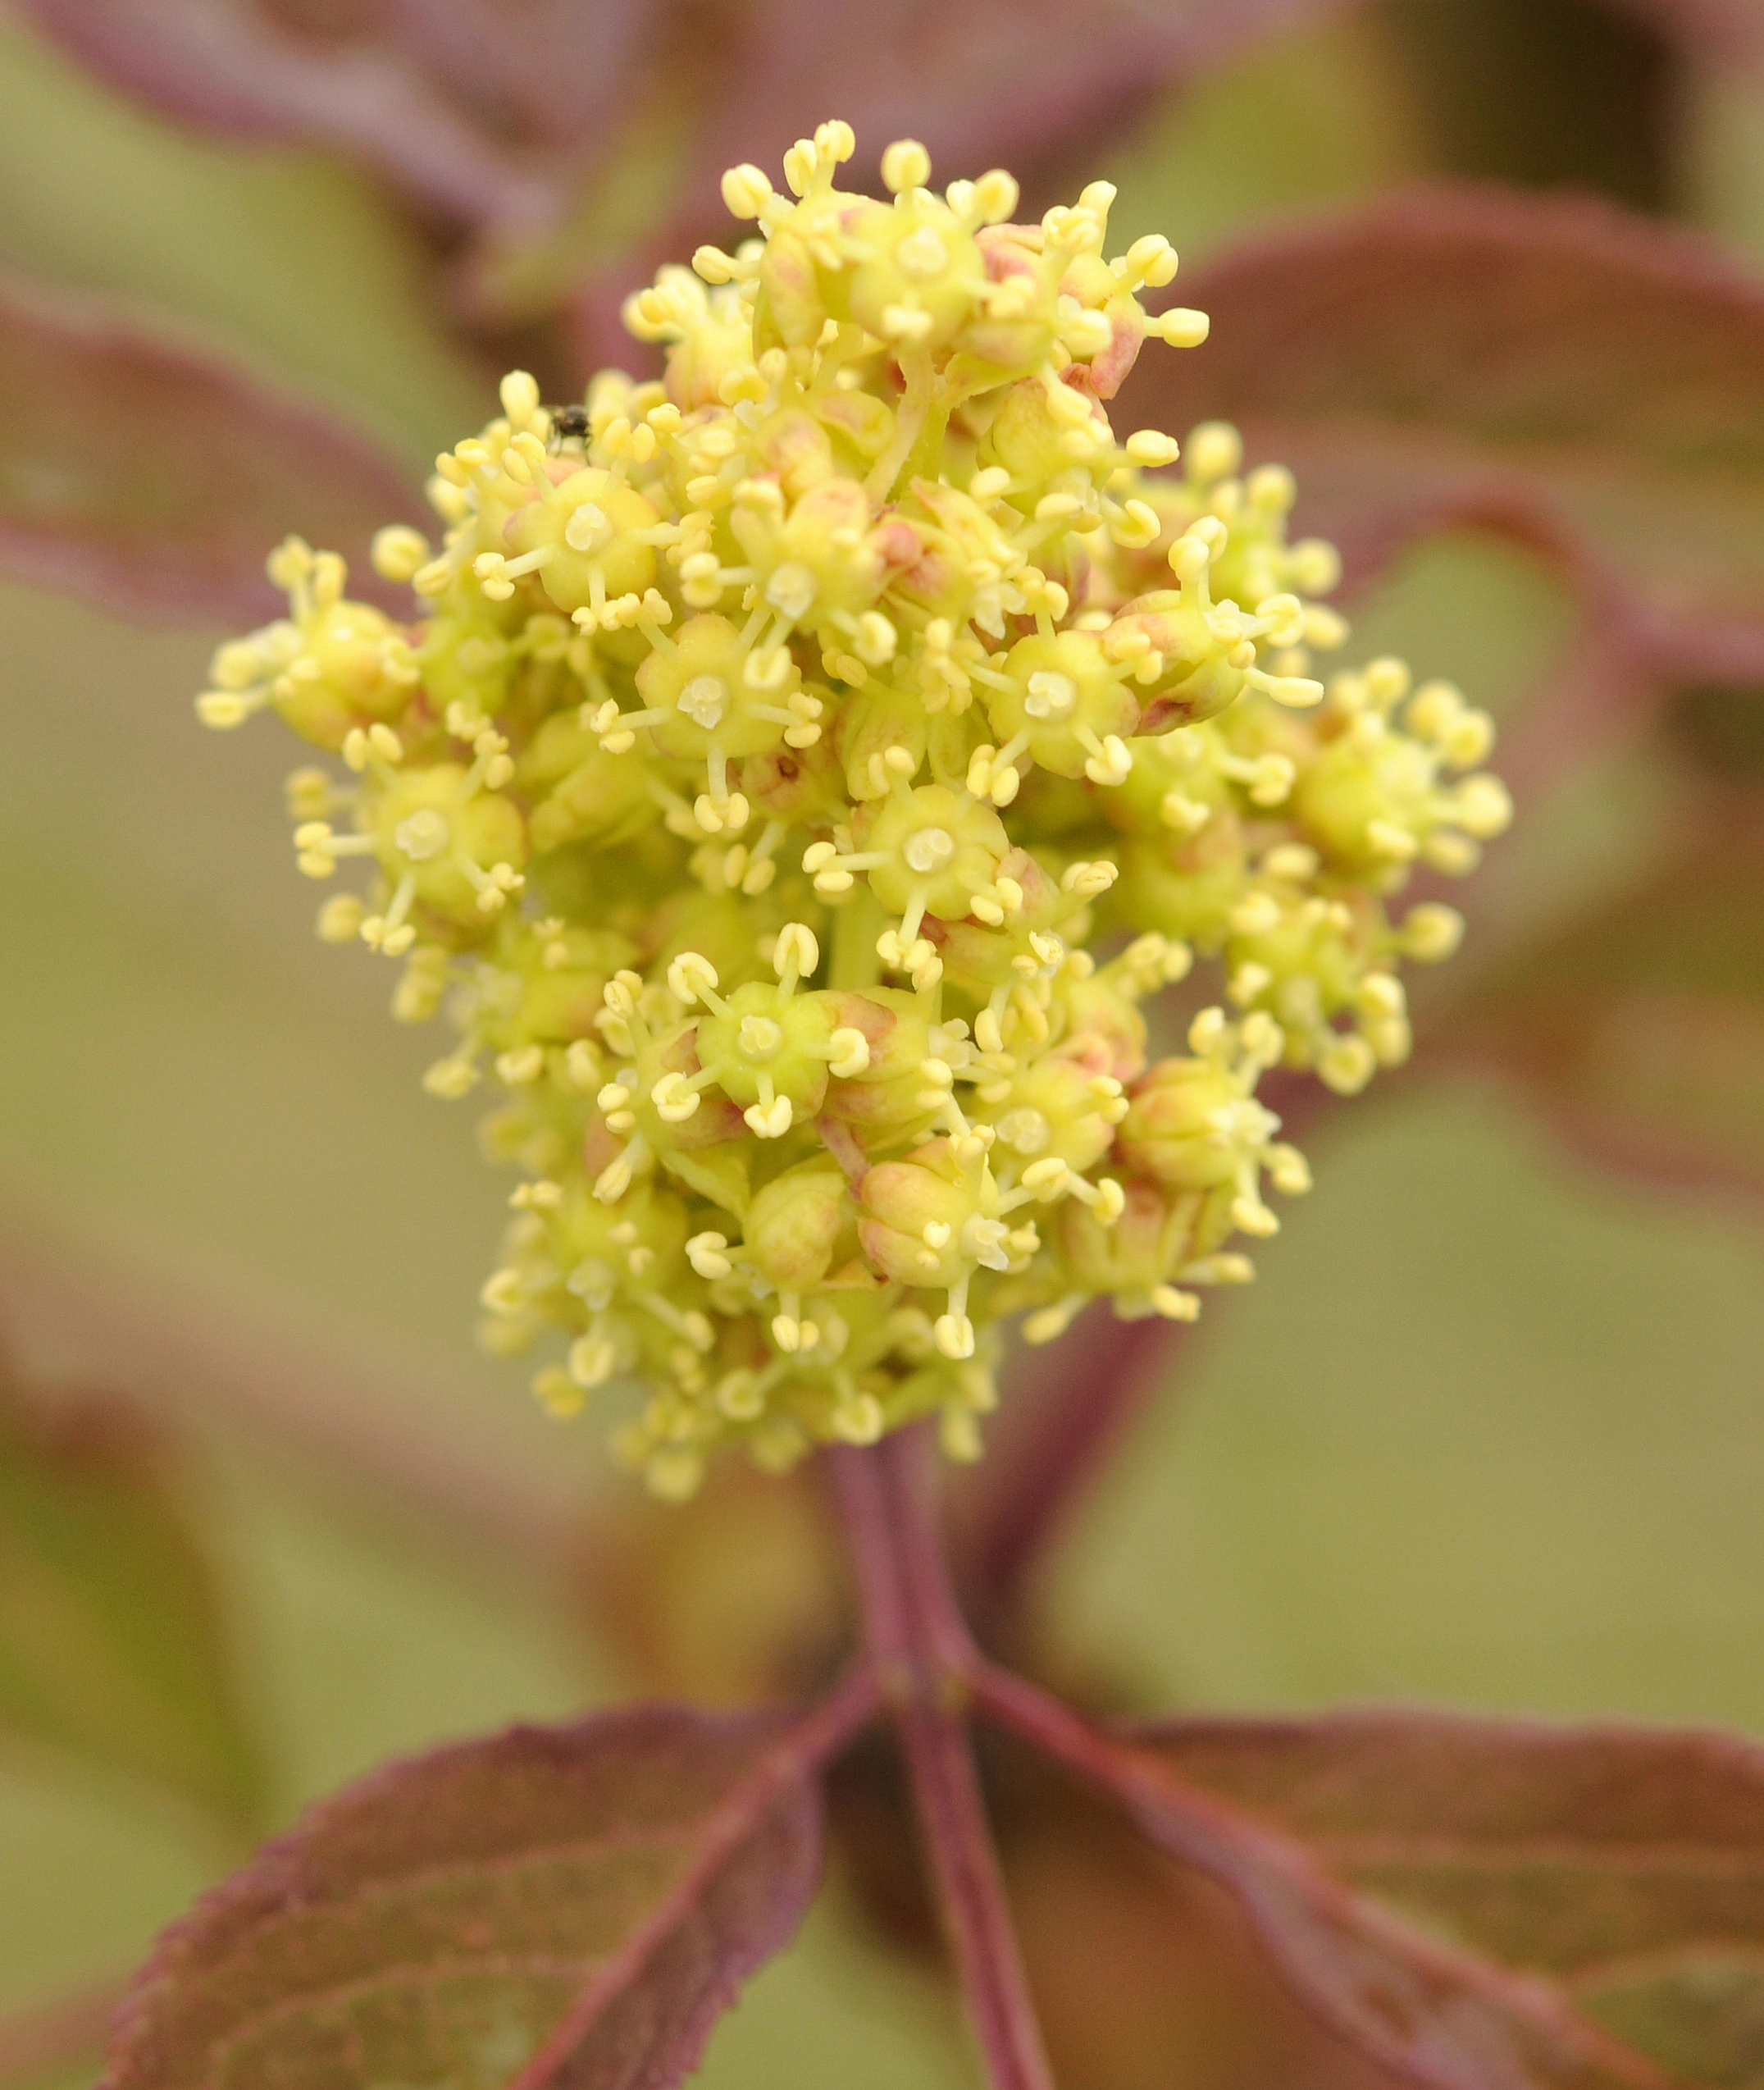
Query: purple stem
[[921, 1651]]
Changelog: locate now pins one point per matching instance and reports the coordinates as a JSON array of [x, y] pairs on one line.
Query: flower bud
[[794, 1224]]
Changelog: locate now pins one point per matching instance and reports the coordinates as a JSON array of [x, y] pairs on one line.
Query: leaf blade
[[150, 476], [1638, 1025], [566, 171], [562, 1906], [1624, 1863], [112, 1641], [381, 90], [1561, 371], [1428, 2012], [1145, 1975]]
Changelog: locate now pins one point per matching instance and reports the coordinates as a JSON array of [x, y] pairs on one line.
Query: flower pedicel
[[797, 773]]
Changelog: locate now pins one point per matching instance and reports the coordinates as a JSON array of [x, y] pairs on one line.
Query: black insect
[[567, 421]]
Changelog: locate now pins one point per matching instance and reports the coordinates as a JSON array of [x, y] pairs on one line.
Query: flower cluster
[[797, 774]]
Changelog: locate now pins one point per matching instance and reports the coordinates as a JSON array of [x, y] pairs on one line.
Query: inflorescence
[[799, 772]]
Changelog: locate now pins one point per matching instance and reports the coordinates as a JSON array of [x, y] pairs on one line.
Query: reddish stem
[[921, 1652]]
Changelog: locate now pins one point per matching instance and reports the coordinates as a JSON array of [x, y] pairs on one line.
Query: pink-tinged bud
[[870, 726], [915, 1211], [1106, 1033], [1010, 250], [1196, 679], [791, 309], [720, 347], [1127, 332], [933, 577], [886, 1095], [975, 953], [897, 543], [800, 785], [1027, 439], [1177, 1128], [716, 1119], [1012, 336], [863, 425], [794, 446], [1150, 1240], [599, 1148]]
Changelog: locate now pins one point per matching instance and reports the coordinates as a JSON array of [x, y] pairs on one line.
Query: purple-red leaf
[[1028, 85], [112, 1643], [977, 81], [1144, 1975], [1639, 1025], [148, 476], [1430, 2013], [1589, 381], [1626, 1864], [589, 140], [554, 1907], [448, 101]]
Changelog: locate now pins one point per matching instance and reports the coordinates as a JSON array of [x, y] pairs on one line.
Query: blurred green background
[[1487, 1431]]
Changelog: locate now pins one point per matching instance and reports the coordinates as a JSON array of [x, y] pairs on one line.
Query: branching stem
[[922, 1655]]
